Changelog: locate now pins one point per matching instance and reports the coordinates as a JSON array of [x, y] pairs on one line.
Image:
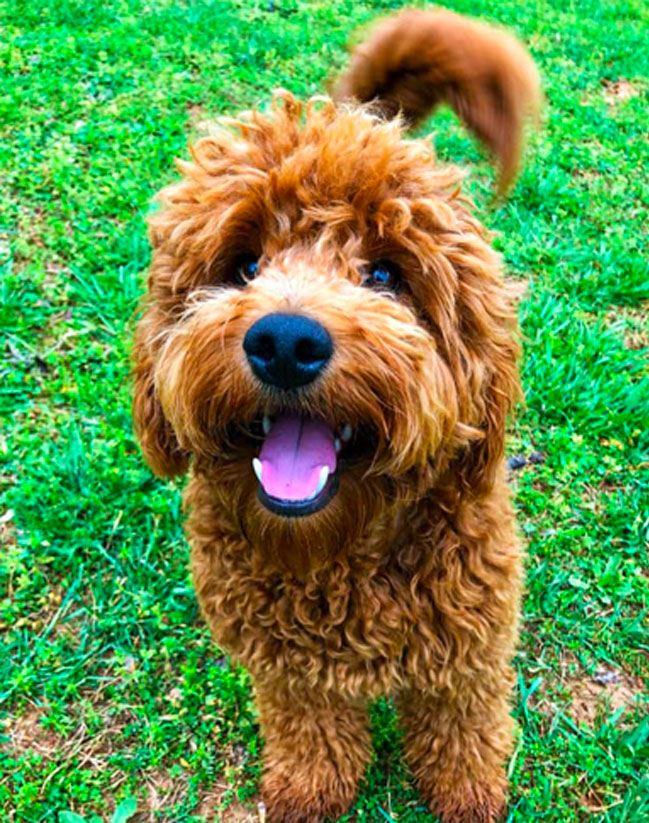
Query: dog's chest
[[339, 626]]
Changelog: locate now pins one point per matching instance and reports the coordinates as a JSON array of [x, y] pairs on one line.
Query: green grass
[[109, 686]]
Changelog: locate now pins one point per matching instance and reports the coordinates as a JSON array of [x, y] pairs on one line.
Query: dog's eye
[[245, 268], [383, 274]]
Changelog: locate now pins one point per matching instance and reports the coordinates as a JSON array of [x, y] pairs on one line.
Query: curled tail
[[418, 59]]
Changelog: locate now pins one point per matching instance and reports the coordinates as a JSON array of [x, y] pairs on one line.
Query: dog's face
[[326, 332]]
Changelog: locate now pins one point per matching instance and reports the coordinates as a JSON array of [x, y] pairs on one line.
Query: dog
[[328, 345]]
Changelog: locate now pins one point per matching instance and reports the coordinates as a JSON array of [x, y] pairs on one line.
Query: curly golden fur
[[408, 581]]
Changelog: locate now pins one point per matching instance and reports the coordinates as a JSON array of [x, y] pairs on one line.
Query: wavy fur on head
[[408, 580]]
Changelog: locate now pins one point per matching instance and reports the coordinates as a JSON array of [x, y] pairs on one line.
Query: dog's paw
[[308, 793], [472, 804]]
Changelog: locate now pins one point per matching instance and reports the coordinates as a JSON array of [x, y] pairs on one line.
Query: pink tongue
[[292, 457]]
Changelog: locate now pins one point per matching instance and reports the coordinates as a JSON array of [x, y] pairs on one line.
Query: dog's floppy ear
[[480, 461], [490, 376], [156, 435], [418, 59]]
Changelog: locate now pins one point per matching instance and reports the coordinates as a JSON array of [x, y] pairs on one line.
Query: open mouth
[[297, 465]]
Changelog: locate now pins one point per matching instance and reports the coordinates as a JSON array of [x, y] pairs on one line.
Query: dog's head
[[326, 330]]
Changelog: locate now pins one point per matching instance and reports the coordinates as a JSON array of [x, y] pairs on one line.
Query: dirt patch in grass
[[91, 748], [162, 791], [617, 91], [604, 693], [8, 541], [215, 808], [594, 801], [27, 732], [587, 173], [588, 698], [635, 322], [94, 745]]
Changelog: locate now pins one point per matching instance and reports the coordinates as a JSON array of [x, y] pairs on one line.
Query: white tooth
[[337, 444], [257, 467], [324, 474], [346, 432], [266, 424]]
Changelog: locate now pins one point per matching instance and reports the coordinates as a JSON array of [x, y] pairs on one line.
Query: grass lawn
[[110, 689]]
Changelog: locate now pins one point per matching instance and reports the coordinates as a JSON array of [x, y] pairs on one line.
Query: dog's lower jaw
[[315, 754]]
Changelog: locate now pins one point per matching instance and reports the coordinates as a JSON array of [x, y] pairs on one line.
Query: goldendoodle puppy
[[328, 344]]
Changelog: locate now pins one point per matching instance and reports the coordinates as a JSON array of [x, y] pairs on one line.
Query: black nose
[[287, 350]]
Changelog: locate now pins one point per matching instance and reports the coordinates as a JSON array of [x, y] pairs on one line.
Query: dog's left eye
[[245, 268], [383, 274]]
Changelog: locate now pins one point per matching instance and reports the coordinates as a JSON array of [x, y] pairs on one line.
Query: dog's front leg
[[457, 743], [316, 750]]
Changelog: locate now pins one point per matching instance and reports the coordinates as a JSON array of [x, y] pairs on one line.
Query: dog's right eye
[[244, 269], [384, 275]]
